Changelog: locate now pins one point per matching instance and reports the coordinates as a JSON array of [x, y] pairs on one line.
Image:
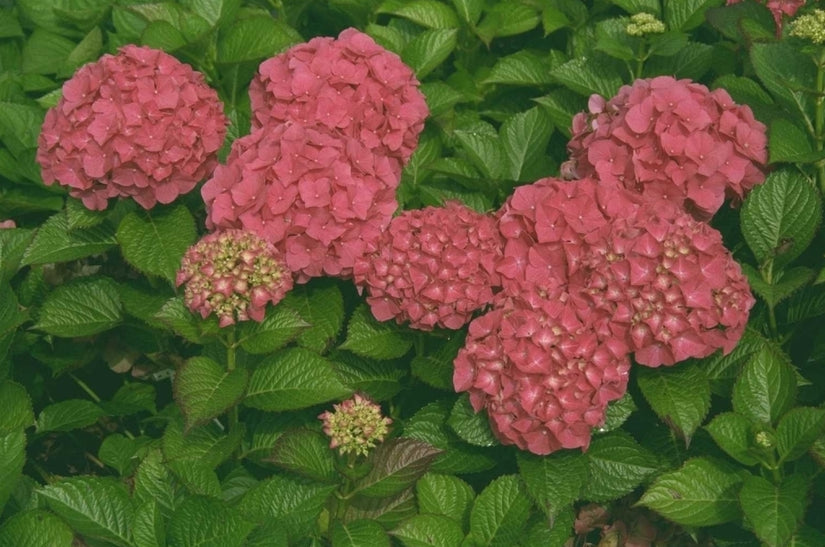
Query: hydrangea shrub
[[403, 272]]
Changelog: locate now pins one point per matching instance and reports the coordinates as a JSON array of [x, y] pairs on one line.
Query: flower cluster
[[778, 9], [644, 23], [355, 426], [138, 124], [7, 224], [673, 140], [433, 267], [233, 274], [349, 84], [810, 26], [544, 374], [322, 199]]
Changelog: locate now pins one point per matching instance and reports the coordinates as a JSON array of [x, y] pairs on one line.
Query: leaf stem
[[85, 387], [819, 120]]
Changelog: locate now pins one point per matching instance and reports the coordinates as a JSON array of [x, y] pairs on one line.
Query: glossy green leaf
[[521, 68], [12, 459], [797, 431], [470, 426], [369, 337], [55, 242], [787, 283], [425, 530], [380, 380], [787, 73], [679, 396], [734, 434], [686, 14], [204, 522], [617, 464], [554, 481], [775, 511], [307, 453], [205, 389], [254, 38], [154, 242], [280, 326], [358, 533], [68, 414], [428, 50], [15, 407], [787, 142], [396, 465], [207, 444], [35, 528], [149, 527], [445, 495], [323, 308], [122, 453], [427, 13], [500, 512], [586, 76], [766, 388], [524, 138], [469, 10], [506, 18], [82, 307]]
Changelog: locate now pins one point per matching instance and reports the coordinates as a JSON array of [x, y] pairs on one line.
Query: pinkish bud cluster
[[321, 198], [233, 274], [355, 426], [433, 267], [673, 140], [350, 85], [7, 224], [545, 375], [138, 124]]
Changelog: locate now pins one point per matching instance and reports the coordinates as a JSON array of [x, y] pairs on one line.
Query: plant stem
[[85, 387], [231, 348], [819, 116]]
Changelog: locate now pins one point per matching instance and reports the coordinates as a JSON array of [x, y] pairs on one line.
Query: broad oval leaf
[[429, 49], [68, 415], [524, 137], [703, 492], [472, 427], [445, 495], [55, 242], [12, 459], [35, 528], [371, 338], [500, 512], [427, 13], [82, 307], [204, 389], [323, 308], [154, 241], [307, 453], [617, 464], [396, 465], [358, 533], [679, 396], [774, 511], [733, 433], [425, 530], [292, 379], [15, 407], [254, 38], [280, 326], [797, 431], [554, 481], [200, 522], [766, 387]]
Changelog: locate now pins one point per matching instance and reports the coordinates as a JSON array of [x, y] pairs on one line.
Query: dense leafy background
[[100, 446]]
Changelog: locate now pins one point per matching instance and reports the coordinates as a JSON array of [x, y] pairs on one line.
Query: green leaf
[[214, 11], [35, 528], [483, 146], [13, 244], [15, 407], [94, 506], [561, 106], [196, 476], [204, 389], [522, 68], [321, 307], [280, 326], [686, 14], [359, 533], [371, 338], [207, 444], [472, 427], [668, 44], [12, 459], [780, 217], [787, 283], [86, 51], [45, 52], [19, 126], [428, 50], [797, 431], [429, 530], [440, 98], [255, 38], [553, 19], [82, 307], [131, 398], [294, 504], [427, 13], [787, 142], [292, 379], [177, 317], [436, 368], [68, 415], [506, 18], [639, 6], [381, 380], [524, 137], [733, 433], [469, 10], [598, 74], [386, 511], [307, 453], [703, 492], [766, 387], [200, 522], [9, 25], [500, 512], [679, 396], [121, 453], [155, 482], [55, 242], [774, 511], [154, 241], [787, 73], [618, 412], [693, 61], [554, 481], [444, 495], [149, 528], [396, 465], [617, 464]]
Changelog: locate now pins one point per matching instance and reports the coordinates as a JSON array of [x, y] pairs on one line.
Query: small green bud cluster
[[355, 426], [810, 26], [644, 23]]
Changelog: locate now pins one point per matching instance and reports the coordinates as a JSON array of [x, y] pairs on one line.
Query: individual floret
[[433, 267], [355, 426], [138, 124], [349, 84], [671, 139], [322, 199], [544, 375], [233, 274]]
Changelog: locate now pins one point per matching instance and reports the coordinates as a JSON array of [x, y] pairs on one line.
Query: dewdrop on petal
[[233, 274], [355, 426]]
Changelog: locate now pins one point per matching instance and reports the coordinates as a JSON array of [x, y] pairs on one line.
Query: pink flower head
[[667, 282], [233, 274], [673, 140], [432, 267], [321, 198], [138, 124], [7, 224], [778, 9], [545, 376], [356, 425], [349, 84]]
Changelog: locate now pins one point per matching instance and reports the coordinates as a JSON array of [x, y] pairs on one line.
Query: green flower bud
[[355, 426], [810, 26], [644, 23]]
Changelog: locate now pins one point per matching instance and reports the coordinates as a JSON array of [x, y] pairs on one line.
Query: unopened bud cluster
[[644, 23], [810, 26], [355, 426], [233, 274]]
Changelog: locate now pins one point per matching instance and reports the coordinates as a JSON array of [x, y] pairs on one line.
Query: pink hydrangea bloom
[[778, 9], [7, 224], [138, 124], [433, 267], [321, 198], [233, 274], [543, 373], [349, 84], [666, 281], [673, 140]]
